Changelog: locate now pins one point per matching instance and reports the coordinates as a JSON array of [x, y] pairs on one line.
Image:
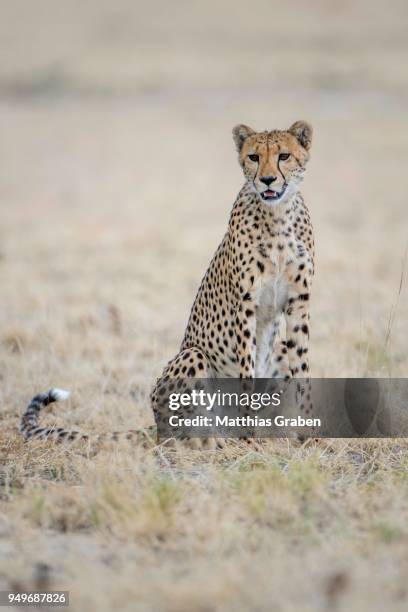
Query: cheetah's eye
[[254, 157], [284, 156]]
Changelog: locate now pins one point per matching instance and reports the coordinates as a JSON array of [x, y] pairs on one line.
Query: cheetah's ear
[[303, 132], [240, 134]]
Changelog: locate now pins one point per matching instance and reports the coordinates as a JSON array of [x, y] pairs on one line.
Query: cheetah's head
[[274, 162]]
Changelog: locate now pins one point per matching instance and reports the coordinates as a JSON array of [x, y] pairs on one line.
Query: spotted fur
[[260, 277], [250, 317]]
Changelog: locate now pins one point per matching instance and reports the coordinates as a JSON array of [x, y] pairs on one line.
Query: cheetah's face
[[274, 162]]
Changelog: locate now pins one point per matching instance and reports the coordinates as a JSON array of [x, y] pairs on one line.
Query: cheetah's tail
[[30, 428]]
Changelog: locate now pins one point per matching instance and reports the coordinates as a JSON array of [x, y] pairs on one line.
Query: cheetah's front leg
[[297, 344], [297, 335], [245, 337]]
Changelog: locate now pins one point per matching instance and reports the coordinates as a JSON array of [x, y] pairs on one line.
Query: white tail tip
[[60, 394]]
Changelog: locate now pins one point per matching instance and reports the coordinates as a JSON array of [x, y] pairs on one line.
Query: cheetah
[[257, 284], [260, 274]]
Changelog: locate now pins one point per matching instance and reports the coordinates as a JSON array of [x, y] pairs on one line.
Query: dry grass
[[117, 175], [288, 527]]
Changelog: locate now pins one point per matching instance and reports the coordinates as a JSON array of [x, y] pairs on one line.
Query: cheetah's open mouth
[[269, 195]]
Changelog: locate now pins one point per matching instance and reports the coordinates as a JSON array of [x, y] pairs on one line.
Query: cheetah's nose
[[267, 180]]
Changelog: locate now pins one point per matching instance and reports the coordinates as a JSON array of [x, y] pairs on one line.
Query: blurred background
[[118, 173]]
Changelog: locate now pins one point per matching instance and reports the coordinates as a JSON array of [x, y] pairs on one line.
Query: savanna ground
[[117, 175]]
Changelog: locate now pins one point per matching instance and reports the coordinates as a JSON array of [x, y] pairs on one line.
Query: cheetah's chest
[[272, 296], [272, 290]]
